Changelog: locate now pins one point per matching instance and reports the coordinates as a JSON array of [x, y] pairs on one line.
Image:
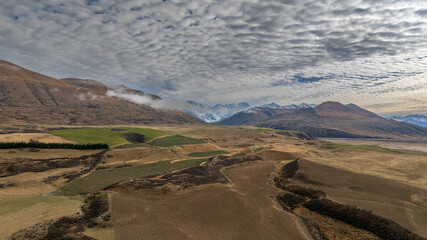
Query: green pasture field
[[106, 135]]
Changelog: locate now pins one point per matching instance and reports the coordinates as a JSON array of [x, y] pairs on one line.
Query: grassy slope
[[17, 213], [207, 154], [105, 135], [263, 130], [100, 179], [374, 148], [171, 141]]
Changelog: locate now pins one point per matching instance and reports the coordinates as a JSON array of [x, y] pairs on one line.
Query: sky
[[369, 52]]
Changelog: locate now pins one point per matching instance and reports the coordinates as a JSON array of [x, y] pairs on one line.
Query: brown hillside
[[329, 119], [30, 97]]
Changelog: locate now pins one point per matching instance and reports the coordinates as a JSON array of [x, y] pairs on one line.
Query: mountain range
[[31, 97], [416, 119], [329, 119], [215, 113], [219, 112], [28, 97]]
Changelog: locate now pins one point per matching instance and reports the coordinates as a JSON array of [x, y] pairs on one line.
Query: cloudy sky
[[369, 52]]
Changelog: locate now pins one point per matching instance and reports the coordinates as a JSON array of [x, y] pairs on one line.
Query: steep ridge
[[329, 119], [31, 97]]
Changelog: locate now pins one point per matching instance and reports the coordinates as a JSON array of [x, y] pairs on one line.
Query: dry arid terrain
[[207, 182], [416, 146], [241, 210]]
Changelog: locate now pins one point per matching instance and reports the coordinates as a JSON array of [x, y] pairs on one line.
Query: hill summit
[[329, 119], [31, 97]]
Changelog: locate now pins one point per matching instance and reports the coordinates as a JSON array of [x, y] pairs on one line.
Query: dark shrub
[[34, 144], [134, 137], [363, 219]]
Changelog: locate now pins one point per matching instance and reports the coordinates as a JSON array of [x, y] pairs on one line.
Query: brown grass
[[30, 183], [243, 210], [405, 168], [142, 155], [26, 137], [395, 145], [402, 203], [17, 213], [43, 153], [273, 155], [333, 229]]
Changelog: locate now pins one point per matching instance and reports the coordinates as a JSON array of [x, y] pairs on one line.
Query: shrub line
[[34, 144]]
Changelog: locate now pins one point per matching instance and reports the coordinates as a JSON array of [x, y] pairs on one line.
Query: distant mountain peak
[[416, 119], [331, 104], [329, 119], [272, 105], [291, 106], [222, 111], [216, 112]]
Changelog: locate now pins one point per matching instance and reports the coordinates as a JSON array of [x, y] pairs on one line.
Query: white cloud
[[228, 51]]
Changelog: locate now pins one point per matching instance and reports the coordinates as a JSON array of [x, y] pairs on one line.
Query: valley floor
[[244, 209], [173, 194]]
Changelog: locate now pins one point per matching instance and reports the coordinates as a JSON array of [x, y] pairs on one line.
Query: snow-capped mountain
[[221, 111], [291, 106], [416, 119], [215, 113]]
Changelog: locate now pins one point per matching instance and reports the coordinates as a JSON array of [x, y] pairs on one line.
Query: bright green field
[[101, 179], [207, 154], [105, 135], [171, 141]]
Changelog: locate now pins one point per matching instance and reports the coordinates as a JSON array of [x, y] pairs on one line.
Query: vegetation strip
[[95, 213], [361, 218], [101, 179], [194, 176], [34, 144], [13, 167], [111, 136], [316, 201], [259, 149]]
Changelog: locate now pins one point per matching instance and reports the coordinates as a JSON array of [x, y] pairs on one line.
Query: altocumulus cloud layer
[[371, 52]]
